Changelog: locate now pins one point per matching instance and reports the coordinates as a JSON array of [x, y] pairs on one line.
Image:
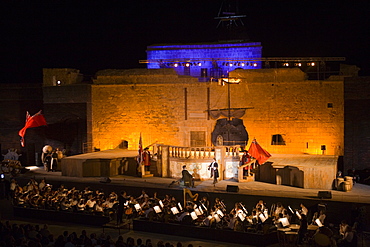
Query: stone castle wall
[[307, 114], [357, 123]]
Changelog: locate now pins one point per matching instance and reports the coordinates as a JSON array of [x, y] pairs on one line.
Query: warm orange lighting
[[286, 64]]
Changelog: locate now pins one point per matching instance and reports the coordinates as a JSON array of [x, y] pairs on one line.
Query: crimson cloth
[[31, 122], [256, 151]]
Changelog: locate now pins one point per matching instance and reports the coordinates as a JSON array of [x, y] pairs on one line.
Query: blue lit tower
[[211, 60]]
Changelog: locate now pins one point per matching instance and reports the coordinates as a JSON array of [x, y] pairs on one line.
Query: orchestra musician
[[278, 210], [204, 203], [260, 204], [234, 215], [142, 197]]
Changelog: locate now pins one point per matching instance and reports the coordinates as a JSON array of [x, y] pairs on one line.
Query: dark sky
[[95, 35]]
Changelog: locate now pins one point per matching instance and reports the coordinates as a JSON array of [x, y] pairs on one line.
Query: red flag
[[256, 151], [31, 122]]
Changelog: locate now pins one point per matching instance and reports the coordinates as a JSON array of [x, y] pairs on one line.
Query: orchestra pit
[[228, 213]]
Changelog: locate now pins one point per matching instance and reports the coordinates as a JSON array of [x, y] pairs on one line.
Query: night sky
[[95, 35]]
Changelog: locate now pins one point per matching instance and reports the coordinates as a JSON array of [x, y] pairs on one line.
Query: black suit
[[121, 206]]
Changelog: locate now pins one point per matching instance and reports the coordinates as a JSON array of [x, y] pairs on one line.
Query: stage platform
[[298, 170]]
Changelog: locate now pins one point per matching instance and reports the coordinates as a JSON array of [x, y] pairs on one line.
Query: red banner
[[31, 122], [256, 151]]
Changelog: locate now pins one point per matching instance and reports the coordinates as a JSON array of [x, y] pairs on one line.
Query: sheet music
[[175, 210], [217, 218], [161, 203], [241, 216], [193, 215], [318, 222], [219, 212], [200, 210], [157, 209], [262, 217], [137, 207], [197, 211], [180, 207]]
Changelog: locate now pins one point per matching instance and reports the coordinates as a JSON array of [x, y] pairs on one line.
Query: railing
[[200, 152]]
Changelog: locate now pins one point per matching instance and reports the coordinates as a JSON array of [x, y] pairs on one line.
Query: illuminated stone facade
[[165, 108]]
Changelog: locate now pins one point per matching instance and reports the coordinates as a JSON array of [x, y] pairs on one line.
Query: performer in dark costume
[[54, 161], [215, 175], [47, 162], [187, 177], [212, 166], [244, 160], [146, 159]]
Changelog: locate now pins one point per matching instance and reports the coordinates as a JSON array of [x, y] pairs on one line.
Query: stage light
[[176, 65], [59, 83], [298, 64], [187, 64], [286, 64], [231, 64], [255, 65], [243, 64], [311, 64], [199, 64]]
